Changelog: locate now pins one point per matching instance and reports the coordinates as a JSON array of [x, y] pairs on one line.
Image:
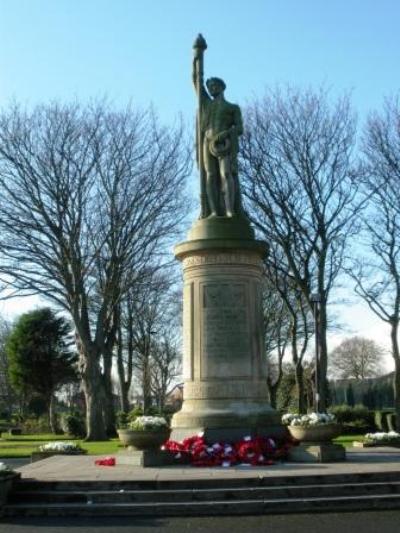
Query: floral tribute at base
[[392, 438], [254, 451]]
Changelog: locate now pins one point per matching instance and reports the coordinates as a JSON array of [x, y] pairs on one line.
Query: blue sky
[[140, 51]]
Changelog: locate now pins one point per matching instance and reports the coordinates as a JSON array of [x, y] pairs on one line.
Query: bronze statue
[[219, 124]]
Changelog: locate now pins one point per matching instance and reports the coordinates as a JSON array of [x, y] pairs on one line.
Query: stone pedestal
[[224, 368], [146, 458], [325, 452]]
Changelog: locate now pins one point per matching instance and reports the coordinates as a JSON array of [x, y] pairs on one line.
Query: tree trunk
[[273, 393], [396, 357], [94, 395], [323, 360], [108, 405], [53, 416], [124, 383], [146, 385], [299, 377], [124, 398], [124, 377]]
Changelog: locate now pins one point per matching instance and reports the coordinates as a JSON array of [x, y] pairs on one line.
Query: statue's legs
[[228, 185], [211, 168]]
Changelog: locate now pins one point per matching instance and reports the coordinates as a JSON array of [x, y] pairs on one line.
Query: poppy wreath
[[255, 451]]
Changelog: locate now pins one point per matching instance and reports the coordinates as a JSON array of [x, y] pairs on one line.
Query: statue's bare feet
[[213, 214]]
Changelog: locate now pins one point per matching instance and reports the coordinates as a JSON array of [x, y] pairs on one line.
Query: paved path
[[367, 522], [66, 468]]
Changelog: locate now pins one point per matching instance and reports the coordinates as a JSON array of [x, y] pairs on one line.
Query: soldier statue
[[219, 125]]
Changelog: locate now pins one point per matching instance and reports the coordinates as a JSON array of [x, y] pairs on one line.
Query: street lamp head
[[315, 297]]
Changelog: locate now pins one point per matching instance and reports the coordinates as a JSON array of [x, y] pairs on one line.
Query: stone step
[[196, 483], [195, 508], [214, 494]]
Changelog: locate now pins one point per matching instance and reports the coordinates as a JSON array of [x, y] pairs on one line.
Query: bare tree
[[165, 366], [148, 334], [88, 196], [276, 337], [358, 358], [299, 184], [300, 323], [376, 271]]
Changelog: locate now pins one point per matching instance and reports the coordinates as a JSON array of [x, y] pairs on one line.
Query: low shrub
[[31, 426], [385, 420], [74, 425], [122, 420], [357, 419]]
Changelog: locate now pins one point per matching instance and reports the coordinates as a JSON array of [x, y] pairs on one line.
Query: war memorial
[[225, 394], [224, 371]]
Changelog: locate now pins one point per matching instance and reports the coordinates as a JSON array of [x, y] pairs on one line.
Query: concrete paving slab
[[83, 468]]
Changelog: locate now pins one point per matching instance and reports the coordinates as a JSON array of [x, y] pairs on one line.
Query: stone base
[[317, 453], [146, 458], [226, 434], [225, 393]]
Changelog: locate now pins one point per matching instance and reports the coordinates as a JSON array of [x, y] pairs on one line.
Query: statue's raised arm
[[219, 125]]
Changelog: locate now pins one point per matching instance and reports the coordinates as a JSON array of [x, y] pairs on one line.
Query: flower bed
[[62, 447], [311, 419], [254, 451], [145, 432], [392, 438], [57, 448], [148, 423]]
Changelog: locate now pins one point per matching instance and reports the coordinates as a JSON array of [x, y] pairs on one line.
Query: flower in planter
[[148, 423], [311, 419], [66, 447], [381, 438]]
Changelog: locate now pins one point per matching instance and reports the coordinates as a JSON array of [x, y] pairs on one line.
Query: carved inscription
[[226, 335], [218, 259], [226, 389]]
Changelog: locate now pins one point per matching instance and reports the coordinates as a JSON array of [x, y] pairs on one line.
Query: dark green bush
[[391, 421], [380, 421], [32, 426], [385, 420], [122, 419], [73, 424], [134, 413], [356, 419]]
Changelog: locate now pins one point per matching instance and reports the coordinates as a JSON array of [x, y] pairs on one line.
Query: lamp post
[[315, 299]]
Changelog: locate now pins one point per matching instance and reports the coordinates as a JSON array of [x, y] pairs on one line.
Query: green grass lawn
[[347, 440], [23, 445]]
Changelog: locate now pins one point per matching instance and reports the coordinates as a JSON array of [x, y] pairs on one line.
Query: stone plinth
[[324, 452], [224, 367], [146, 458]]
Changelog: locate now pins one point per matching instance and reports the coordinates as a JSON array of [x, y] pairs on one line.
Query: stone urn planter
[[315, 434], [143, 440]]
